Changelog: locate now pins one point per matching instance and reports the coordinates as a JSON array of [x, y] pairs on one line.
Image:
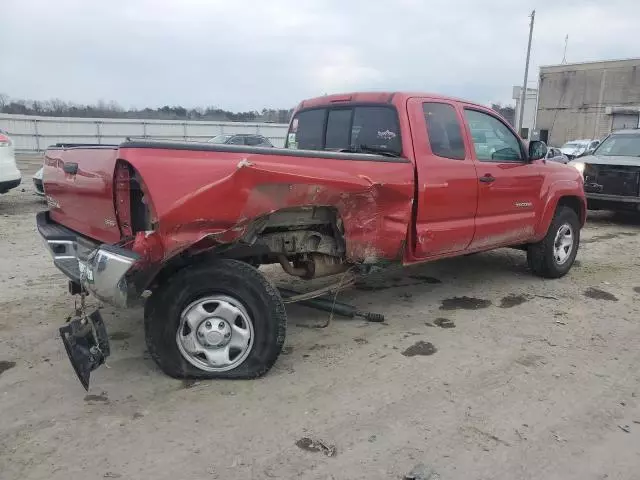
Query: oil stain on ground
[[310, 445], [6, 365], [636, 289], [444, 323], [398, 282], [464, 303], [420, 348], [512, 300], [426, 279], [609, 236], [119, 336], [597, 294], [97, 398], [531, 360]]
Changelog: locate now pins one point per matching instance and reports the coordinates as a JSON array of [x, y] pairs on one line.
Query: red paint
[[123, 199], [85, 200], [429, 208]]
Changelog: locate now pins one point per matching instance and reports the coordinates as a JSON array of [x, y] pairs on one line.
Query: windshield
[[620, 145], [356, 129], [220, 139]]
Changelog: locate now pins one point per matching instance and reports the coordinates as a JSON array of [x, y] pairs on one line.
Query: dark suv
[[241, 139], [612, 172]]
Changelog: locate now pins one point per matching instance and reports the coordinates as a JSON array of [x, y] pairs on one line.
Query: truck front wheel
[[554, 255], [221, 319]]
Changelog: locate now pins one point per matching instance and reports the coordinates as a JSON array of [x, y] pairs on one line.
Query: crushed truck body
[[364, 179]]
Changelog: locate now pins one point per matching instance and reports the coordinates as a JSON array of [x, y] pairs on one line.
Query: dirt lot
[[537, 379]]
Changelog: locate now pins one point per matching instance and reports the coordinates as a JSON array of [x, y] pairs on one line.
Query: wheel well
[[574, 204], [294, 233]]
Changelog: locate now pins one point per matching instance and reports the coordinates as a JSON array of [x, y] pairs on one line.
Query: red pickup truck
[[364, 178]]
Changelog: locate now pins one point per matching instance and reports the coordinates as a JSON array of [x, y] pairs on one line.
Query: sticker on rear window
[[294, 125], [386, 135]]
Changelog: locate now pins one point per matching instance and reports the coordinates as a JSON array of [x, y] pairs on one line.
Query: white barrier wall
[[33, 134]]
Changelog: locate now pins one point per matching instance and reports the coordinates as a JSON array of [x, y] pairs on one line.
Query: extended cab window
[[493, 140], [306, 131], [366, 129], [443, 130], [338, 125]]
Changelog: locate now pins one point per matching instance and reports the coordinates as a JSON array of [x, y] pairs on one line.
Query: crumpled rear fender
[[219, 196]]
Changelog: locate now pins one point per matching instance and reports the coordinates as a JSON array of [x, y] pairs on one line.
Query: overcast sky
[[241, 54]]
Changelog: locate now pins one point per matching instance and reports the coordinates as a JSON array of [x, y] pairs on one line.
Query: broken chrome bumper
[[100, 269]]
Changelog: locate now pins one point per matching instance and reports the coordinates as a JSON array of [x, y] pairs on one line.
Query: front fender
[[556, 191]]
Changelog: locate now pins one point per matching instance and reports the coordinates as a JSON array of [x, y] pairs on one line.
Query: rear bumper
[[100, 269]]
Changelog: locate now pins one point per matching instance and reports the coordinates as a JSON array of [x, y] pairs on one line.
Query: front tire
[[221, 319], [554, 255]]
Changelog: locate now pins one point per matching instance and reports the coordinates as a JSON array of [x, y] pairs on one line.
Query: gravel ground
[[481, 371]]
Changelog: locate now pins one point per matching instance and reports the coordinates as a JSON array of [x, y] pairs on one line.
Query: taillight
[[122, 198], [134, 210], [5, 141]]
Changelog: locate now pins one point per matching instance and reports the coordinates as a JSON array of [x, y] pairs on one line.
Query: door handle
[[70, 167], [488, 178]]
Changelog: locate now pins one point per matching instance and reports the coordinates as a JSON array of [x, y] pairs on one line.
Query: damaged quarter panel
[[218, 194]]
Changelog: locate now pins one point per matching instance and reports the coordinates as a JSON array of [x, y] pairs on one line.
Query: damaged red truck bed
[[364, 179]]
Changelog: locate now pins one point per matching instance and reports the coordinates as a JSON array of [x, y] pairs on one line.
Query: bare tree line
[[507, 111], [60, 108]]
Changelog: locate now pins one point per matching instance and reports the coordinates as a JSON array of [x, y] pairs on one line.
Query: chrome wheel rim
[[563, 244], [215, 333]]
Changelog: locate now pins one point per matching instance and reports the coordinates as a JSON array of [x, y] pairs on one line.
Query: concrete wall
[[33, 133], [579, 100]]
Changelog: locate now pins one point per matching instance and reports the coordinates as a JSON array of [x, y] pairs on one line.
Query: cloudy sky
[[250, 54]]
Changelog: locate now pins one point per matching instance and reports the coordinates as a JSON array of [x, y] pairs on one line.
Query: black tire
[[234, 278], [541, 257]]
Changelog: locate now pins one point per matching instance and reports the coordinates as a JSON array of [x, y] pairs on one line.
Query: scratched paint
[[225, 194], [505, 238]]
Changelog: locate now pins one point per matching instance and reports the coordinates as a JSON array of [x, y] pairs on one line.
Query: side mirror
[[537, 150]]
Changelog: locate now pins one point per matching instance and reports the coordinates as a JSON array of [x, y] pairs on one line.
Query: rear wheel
[[222, 319], [554, 255]]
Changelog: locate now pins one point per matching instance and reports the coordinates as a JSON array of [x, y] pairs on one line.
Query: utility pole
[[564, 55], [523, 94]]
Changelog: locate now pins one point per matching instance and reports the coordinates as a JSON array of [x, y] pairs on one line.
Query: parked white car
[[575, 148], [10, 176], [37, 182]]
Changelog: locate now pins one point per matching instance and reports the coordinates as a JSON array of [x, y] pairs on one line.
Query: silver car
[[576, 148]]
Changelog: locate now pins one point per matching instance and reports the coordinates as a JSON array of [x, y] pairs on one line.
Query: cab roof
[[393, 98]]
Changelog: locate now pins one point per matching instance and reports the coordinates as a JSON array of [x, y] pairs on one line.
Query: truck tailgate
[[80, 190]]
